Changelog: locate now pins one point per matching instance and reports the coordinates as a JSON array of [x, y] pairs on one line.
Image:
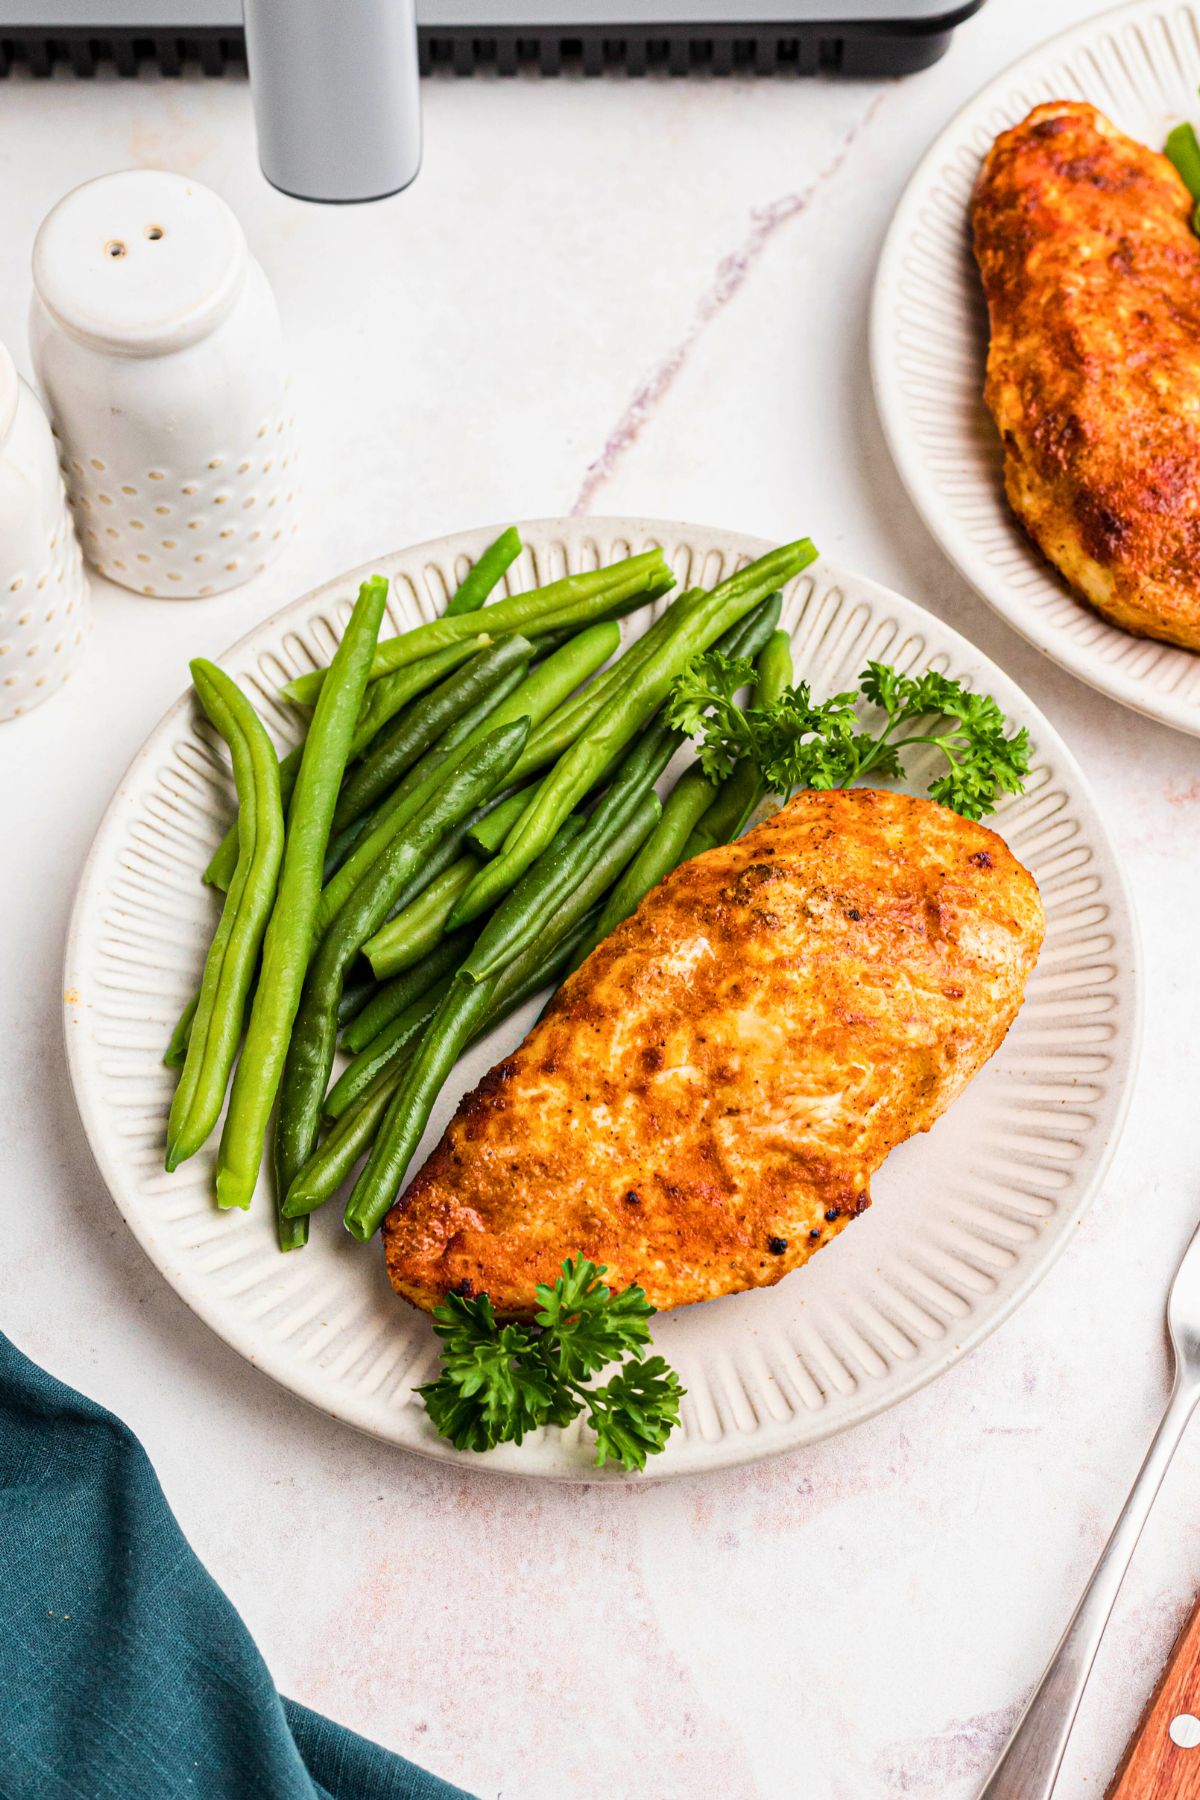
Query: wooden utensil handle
[[1162, 1761]]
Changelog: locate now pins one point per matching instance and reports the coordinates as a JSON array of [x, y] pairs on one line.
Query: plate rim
[[731, 1450], [909, 461]]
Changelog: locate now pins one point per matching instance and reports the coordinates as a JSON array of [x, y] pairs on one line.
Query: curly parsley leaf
[[702, 703], [494, 1387], [499, 1382], [635, 1412], [798, 742], [590, 1326]]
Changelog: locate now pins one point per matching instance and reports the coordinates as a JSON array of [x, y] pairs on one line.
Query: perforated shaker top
[[140, 262]]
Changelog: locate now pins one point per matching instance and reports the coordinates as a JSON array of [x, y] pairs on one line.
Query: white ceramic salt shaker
[[157, 342], [44, 618]]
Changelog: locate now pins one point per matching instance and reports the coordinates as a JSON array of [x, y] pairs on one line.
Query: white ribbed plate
[[965, 1220], [1141, 65]]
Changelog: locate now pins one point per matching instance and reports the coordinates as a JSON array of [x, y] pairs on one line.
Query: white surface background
[[644, 298]]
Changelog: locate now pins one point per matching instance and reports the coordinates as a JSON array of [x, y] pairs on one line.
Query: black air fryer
[[335, 81]]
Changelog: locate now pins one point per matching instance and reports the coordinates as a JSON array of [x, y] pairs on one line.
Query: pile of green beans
[[471, 812], [623, 716]]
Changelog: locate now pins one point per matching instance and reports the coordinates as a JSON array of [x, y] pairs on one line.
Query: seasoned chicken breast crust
[[704, 1103], [1092, 277]]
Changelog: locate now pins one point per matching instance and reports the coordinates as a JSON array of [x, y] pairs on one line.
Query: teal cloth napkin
[[127, 1674]]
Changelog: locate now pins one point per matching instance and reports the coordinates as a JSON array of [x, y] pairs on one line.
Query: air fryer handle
[[336, 96]]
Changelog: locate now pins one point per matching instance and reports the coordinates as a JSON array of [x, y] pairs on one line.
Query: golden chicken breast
[[1092, 277], [704, 1103]]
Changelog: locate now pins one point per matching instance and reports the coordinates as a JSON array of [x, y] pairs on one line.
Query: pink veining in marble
[[732, 272]]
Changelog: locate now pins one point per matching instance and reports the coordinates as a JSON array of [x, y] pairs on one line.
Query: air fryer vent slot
[[729, 51], [212, 52], [859, 49]]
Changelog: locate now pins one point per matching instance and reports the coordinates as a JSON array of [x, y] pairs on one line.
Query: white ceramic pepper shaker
[[44, 618], [157, 343]]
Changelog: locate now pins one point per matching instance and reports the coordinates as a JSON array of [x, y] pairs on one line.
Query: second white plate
[[1140, 64], [965, 1219]]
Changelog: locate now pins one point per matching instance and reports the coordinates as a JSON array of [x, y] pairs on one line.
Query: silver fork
[[1028, 1767]]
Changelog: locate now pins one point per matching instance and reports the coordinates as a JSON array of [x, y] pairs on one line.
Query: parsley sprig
[[499, 1382], [798, 742]]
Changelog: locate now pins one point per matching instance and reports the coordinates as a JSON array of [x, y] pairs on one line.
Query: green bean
[[750, 635], [453, 1026], [397, 750], [574, 600], [549, 683], [387, 694], [491, 831], [1183, 149], [176, 1050], [393, 996], [580, 903], [333, 1159], [742, 790], [289, 935], [229, 968], [535, 899], [314, 1034], [388, 697], [688, 800], [219, 872], [465, 1011], [384, 1050], [393, 813], [413, 933], [487, 571], [352, 1132], [343, 843], [452, 849], [383, 700], [303, 690], [563, 727], [220, 1007], [359, 991], [623, 717], [568, 723]]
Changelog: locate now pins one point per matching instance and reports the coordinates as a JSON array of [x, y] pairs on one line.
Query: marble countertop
[[632, 298]]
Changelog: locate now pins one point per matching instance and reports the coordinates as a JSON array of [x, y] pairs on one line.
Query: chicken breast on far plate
[[704, 1103], [1092, 276]]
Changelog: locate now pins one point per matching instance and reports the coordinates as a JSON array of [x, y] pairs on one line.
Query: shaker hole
[[115, 247], [154, 232]]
